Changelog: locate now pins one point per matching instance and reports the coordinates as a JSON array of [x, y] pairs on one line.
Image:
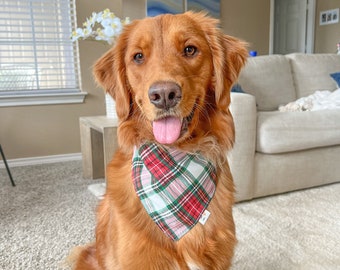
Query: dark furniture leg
[[7, 168]]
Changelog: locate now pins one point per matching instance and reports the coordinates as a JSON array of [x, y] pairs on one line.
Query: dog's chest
[[193, 266]]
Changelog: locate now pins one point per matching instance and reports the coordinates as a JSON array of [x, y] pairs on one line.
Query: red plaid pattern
[[174, 187]]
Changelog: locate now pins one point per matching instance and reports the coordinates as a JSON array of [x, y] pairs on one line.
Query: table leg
[[110, 144], [92, 152]]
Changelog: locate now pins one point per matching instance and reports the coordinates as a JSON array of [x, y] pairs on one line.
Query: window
[[38, 61]]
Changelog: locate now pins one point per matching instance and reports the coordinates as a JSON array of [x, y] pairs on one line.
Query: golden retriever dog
[[170, 76]]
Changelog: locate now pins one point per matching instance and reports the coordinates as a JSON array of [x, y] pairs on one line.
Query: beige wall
[[326, 36], [248, 20], [30, 131]]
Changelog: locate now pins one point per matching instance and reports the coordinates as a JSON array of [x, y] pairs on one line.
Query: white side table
[[98, 137]]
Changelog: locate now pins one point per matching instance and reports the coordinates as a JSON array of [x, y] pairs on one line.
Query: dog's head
[[171, 77]]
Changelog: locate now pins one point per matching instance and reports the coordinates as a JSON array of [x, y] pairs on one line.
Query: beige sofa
[[277, 152]]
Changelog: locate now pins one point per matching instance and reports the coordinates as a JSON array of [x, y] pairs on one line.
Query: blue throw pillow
[[237, 89], [336, 77]]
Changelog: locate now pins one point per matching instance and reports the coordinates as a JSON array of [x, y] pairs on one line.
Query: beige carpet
[[51, 210], [298, 230]]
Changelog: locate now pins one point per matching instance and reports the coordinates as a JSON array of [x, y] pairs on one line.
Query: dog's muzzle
[[165, 95]]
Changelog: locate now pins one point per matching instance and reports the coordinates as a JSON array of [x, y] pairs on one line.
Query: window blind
[[36, 52]]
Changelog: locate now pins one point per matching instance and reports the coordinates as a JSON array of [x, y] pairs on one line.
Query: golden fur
[[149, 51]]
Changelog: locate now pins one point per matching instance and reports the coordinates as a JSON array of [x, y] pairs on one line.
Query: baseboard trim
[[41, 160]]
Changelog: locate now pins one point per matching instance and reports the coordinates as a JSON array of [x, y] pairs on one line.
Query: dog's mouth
[[169, 129]]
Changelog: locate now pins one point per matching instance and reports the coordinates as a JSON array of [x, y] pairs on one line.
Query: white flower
[[108, 27], [107, 22], [80, 32], [109, 31]]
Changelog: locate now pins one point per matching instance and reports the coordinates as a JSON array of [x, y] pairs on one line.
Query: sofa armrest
[[241, 157]]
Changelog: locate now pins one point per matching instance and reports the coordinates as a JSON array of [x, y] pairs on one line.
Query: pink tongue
[[167, 130]]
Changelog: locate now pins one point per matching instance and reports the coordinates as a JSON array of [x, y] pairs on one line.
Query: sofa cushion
[[336, 77], [269, 79], [311, 72], [279, 132], [237, 89]]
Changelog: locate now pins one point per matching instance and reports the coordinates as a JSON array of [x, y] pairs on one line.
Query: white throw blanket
[[320, 100]]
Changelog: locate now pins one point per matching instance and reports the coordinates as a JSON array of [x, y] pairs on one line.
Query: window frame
[[49, 96]]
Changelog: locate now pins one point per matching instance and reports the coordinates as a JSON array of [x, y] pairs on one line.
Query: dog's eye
[[138, 58], [190, 51]]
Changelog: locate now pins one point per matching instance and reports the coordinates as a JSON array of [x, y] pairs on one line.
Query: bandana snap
[[174, 187]]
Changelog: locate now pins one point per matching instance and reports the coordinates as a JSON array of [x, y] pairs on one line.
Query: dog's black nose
[[165, 95]]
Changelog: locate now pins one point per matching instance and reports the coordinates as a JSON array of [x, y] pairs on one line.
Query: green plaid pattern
[[174, 187]]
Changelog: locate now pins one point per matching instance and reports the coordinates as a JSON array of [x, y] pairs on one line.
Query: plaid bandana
[[174, 187]]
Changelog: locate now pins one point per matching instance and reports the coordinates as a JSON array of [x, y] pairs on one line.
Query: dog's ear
[[229, 56], [109, 72], [234, 58]]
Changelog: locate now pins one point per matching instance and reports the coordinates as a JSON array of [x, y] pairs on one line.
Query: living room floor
[[51, 210]]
